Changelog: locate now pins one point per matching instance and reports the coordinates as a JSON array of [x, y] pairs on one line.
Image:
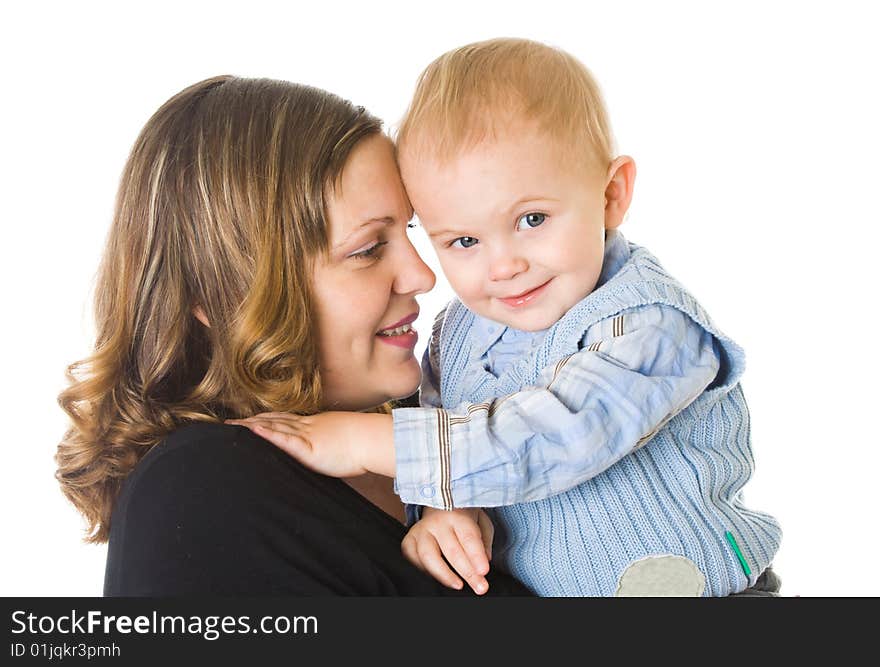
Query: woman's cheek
[[366, 306]]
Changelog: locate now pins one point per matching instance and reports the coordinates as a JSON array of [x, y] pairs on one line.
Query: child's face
[[519, 230]]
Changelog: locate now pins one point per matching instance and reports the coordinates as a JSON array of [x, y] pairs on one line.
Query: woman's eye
[[464, 242], [530, 220], [374, 251]]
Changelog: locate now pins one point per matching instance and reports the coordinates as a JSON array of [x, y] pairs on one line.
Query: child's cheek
[[467, 282]]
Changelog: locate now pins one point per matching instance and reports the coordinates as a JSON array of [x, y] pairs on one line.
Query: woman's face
[[365, 288]]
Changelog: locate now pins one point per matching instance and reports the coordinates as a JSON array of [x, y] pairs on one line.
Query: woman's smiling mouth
[[400, 334]]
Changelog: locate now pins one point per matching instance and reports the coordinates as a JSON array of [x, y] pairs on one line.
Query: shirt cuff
[[417, 453]]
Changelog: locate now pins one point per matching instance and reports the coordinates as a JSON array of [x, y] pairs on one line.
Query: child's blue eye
[[464, 242], [371, 252], [531, 220]]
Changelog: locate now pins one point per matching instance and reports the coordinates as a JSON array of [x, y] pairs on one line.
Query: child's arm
[[589, 410], [635, 372]]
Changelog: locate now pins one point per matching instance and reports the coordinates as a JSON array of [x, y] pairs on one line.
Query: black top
[[216, 510]]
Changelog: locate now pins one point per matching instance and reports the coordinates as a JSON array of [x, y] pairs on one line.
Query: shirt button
[[428, 491], [491, 329]]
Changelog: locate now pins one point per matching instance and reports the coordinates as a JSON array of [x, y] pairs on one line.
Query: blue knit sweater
[[679, 495]]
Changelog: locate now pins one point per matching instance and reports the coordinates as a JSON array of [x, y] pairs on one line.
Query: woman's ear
[[619, 190], [200, 316]]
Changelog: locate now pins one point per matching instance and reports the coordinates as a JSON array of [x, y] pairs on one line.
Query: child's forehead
[[502, 168], [519, 138]]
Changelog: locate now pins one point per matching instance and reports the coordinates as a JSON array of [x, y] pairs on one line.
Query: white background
[[753, 126]]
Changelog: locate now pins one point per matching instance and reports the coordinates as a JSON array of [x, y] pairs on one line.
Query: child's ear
[[619, 181]]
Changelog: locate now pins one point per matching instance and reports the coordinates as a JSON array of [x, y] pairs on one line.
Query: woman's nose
[[505, 267], [413, 275]]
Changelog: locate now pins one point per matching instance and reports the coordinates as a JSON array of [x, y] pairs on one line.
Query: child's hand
[[338, 444], [463, 536]]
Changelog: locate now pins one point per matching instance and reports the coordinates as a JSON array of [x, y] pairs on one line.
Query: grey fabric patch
[[661, 576]]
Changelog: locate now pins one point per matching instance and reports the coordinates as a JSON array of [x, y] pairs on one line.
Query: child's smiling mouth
[[525, 297]]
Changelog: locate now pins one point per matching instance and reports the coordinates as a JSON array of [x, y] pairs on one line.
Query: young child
[[573, 388]]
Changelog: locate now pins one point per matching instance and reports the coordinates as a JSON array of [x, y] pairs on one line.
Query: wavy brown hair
[[221, 206]]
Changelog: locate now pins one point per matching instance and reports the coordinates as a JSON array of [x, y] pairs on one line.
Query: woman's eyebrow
[[385, 220]]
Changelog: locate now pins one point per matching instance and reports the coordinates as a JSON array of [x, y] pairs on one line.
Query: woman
[[258, 261]]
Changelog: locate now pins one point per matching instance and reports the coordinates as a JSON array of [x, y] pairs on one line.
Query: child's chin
[[531, 321], [524, 319]]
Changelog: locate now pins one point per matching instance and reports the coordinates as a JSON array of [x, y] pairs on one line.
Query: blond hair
[[221, 205], [472, 93]]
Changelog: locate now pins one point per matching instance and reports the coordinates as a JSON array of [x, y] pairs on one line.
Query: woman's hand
[[462, 536], [338, 444]]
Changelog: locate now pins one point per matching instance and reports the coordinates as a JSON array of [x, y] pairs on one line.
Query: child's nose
[[505, 268]]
